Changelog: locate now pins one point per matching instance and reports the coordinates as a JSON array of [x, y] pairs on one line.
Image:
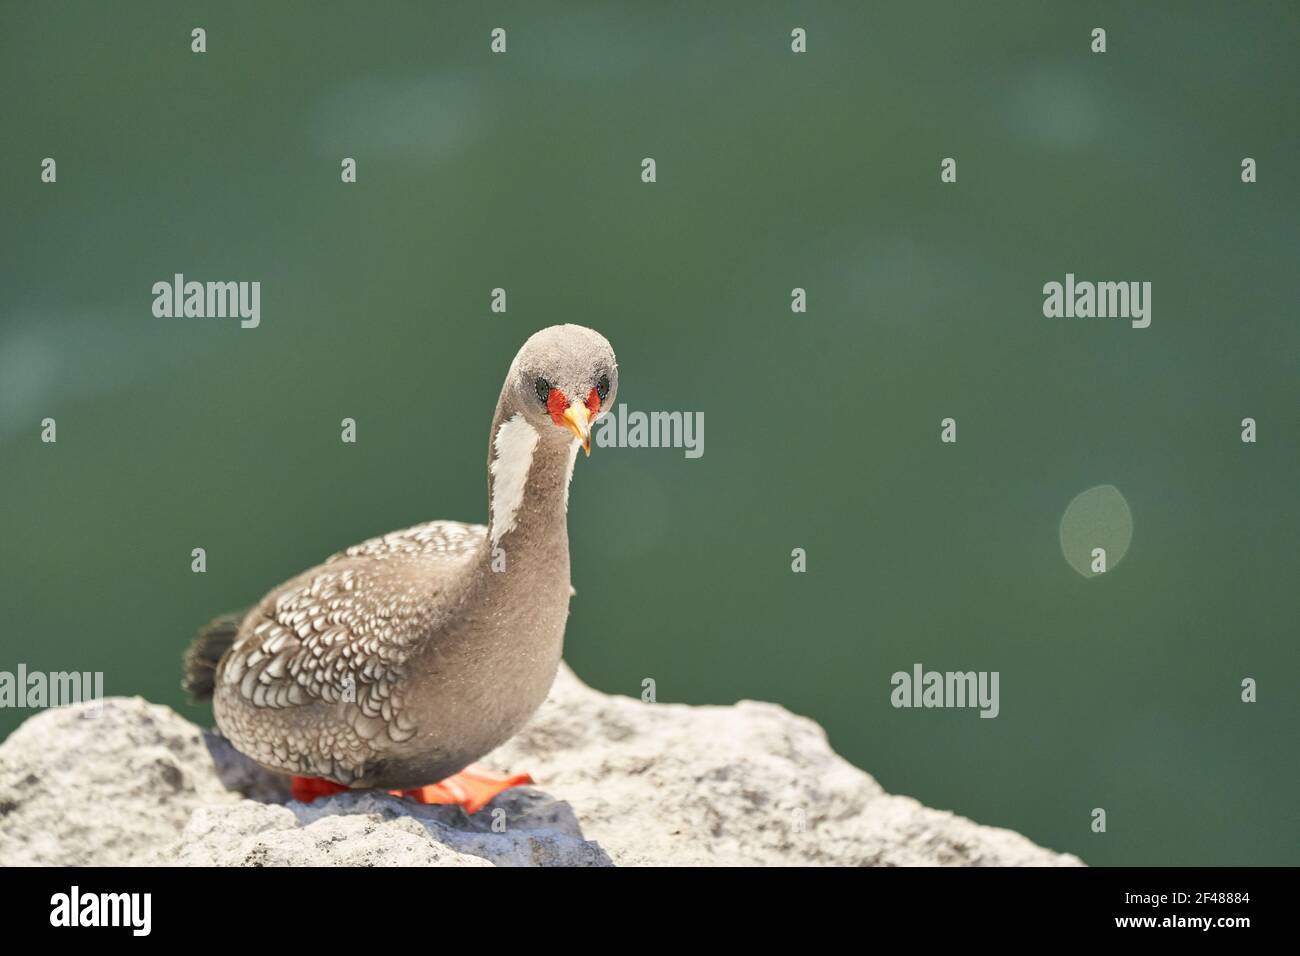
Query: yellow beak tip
[[579, 422]]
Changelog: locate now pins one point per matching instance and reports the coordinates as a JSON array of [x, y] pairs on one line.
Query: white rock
[[618, 781], [81, 791]]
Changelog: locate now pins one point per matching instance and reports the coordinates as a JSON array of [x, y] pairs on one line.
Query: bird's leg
[[307, 789], [473, 788]]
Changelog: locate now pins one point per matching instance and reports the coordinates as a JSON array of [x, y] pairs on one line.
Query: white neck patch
[[513, 445], [568, 474]]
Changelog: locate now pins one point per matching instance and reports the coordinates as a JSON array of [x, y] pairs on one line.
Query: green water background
[[820, 171]]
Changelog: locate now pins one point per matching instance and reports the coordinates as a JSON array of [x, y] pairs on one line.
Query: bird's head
[[563, 378]]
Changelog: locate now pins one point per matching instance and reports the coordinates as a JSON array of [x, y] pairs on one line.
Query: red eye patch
[[593, 403], [556, 403]]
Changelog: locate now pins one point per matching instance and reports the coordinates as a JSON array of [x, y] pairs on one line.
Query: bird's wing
[[449, 540], [344, 630]]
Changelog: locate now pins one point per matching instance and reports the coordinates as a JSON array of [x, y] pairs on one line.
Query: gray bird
[[402, 660]]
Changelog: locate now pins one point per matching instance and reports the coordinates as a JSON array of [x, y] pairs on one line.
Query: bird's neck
[[528, 481]]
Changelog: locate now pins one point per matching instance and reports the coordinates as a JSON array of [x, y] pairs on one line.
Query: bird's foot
[[307, 789], [473, 788]]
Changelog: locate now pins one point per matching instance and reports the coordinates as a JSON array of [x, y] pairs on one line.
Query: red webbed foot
[[473, 788]]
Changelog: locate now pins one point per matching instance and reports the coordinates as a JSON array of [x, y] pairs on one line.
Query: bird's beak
[[579, 421]]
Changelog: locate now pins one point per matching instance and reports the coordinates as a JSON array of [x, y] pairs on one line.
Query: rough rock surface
[[619, 781]]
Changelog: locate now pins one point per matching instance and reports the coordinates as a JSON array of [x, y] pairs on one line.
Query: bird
[[401, 661]]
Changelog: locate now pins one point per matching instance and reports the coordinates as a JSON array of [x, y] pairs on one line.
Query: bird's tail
[[200, 667]]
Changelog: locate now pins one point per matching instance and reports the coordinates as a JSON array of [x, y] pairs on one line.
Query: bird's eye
[[543, 389], [602, 387]]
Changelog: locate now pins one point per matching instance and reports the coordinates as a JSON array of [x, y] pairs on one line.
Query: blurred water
[[775, 171]]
